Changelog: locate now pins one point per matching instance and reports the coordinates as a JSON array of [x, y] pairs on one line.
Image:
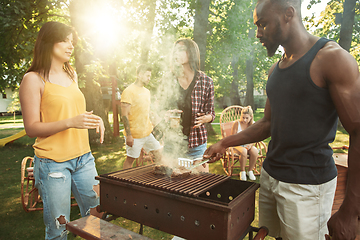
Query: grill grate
[[193, 185]]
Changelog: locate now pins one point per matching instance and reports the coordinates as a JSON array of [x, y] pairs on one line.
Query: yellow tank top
[[58, 103]]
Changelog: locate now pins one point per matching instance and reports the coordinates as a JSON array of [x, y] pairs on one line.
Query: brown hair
[[49, 34], [192, 51], [143, 68]]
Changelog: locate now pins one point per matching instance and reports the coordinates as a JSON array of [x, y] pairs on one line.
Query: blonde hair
[[248, 110]]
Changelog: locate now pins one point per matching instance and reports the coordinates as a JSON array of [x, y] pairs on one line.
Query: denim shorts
[[55, 182], [196, 152]]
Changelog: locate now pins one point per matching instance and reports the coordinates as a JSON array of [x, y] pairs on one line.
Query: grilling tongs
[[198, 164]]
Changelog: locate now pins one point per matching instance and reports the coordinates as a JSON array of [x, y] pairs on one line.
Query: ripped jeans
[[55, 182]]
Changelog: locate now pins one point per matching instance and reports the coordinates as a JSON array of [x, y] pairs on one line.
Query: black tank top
[[185, 104], [303, 123]]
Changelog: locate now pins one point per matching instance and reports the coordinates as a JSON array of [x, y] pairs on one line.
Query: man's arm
[[125, 110], [255, 133], [259, 131], [343, 80]]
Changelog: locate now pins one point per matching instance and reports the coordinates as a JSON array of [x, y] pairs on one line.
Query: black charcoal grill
[[200, 206]]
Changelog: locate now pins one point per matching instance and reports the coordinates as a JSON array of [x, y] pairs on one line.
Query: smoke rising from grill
[[174, 141]]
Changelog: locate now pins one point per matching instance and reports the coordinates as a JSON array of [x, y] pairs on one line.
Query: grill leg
[[251, 234], [141, 229], [104, 216], [108, 218]]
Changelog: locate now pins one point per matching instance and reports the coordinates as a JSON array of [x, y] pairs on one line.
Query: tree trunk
[[249, 99], [346, 29], [92, 91], [148, 32], [202, 12], [234, 93], [94, 102], [347, 24]]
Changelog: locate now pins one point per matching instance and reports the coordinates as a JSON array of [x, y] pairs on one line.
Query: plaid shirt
[[202, 100]]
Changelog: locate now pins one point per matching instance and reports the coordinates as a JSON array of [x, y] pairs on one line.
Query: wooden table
[[94, 228], [341, 165]]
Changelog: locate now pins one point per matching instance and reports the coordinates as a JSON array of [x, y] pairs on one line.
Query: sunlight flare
[[105, 26]]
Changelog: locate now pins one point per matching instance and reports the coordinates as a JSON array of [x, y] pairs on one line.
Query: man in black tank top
[[314, 83]]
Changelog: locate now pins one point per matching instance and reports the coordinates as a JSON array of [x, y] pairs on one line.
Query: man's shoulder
[[129, 87], [128, 94], [330, 51], [335, 63], [332, 57]]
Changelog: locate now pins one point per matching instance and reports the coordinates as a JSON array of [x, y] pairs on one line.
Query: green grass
[[109, 157]]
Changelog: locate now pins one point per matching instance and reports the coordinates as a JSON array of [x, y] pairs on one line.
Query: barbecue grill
[[200, 206]]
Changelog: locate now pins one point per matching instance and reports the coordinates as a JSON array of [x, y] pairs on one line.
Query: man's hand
[[342, 226], [214, 152], [129, 141]]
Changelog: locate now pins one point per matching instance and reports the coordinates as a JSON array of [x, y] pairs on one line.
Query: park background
[[118, 35]]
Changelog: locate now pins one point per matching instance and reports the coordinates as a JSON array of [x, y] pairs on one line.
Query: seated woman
[[246, 119]]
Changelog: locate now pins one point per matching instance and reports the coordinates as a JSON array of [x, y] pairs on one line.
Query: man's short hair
[[143, 68], [285, 3]]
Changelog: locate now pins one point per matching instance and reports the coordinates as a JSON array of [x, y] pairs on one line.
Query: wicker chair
[[30, 198], [230, 160]]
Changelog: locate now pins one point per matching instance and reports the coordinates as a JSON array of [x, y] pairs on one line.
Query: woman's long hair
[[192, 51], [49, 34]]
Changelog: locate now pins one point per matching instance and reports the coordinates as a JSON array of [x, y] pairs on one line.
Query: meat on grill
[[175, 172]]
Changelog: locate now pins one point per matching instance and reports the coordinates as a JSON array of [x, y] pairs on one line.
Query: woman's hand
[[248, 146], [88, 120], [201, 119], [101, 129], [85, 121]]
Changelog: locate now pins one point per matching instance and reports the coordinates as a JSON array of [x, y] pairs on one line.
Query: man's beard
[[271, 50]]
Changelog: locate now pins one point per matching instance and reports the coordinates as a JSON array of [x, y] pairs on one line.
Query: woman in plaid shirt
[[196, 96]]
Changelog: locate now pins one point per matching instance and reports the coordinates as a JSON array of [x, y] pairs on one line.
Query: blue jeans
[[196, 152], [55, 182]]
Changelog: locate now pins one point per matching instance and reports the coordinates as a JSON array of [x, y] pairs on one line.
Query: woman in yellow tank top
[[54, 112]]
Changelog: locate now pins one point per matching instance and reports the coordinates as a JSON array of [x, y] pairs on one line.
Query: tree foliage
[[14, 106], [232, 43], [146, 31], [20, 22], [329, 24]]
